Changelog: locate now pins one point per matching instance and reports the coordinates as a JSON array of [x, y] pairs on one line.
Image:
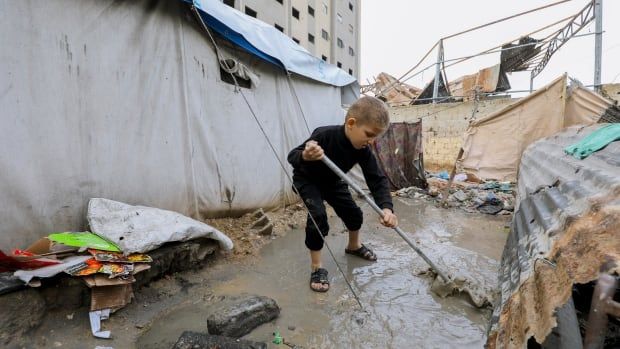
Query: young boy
[[346, 145]]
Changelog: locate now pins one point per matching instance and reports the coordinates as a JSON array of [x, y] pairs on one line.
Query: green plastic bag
[[85, 239]]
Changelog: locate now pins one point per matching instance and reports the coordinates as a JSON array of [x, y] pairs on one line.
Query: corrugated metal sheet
[[557, 196]]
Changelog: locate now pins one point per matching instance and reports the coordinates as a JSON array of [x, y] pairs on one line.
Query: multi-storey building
[[329, 29]]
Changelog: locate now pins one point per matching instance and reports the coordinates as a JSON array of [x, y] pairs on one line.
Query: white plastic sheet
[[139, 229], [137, 114]]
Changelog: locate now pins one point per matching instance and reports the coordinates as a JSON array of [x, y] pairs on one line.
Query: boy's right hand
[[312, 151]]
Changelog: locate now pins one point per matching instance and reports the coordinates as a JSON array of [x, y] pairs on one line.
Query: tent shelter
[[127, 100], [493, 144]]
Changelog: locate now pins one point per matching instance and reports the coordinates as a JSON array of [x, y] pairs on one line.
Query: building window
[[351, 52], [351, 6], [351, 28], [325, 8], [324, 34], [280, 1], [295, 13], [339, 65], [310, 11], [296, 41], [339, 17], [340, 43], [323, 57], [350, 71], [250, 12], [310, 38], [278, 27], [230, 3]]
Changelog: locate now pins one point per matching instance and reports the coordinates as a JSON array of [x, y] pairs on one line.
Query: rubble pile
[[489, 197]]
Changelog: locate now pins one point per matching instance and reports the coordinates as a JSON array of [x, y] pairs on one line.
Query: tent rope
[[275, 153]]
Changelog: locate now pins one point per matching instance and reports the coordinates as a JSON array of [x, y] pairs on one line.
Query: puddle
[[400, 311]]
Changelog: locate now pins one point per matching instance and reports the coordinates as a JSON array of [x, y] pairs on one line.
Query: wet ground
[[399, 310]]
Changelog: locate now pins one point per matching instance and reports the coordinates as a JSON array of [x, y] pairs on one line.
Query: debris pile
[[108, 258], [490, 197]]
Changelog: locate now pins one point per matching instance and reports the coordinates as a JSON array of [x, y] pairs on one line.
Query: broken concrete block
[[238, 316], [193, 340], [262, 225], [21, 312], [460, 195]]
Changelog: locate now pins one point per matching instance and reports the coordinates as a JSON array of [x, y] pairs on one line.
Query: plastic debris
[[84, 239], [95, 322]]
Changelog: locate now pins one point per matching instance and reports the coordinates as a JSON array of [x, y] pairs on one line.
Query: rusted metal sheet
[[565, 228], [400, 156]]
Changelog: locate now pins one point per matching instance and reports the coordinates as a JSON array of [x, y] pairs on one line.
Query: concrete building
[[329, 29]]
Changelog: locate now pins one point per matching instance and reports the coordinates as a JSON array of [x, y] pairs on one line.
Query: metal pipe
[[374, 206], [598, 42], [597, 319], [438, 69]]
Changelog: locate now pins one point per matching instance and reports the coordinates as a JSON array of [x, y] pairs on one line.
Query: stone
[[10, 283], [193, 340], [460, 195], [21, 312], [239, 315]]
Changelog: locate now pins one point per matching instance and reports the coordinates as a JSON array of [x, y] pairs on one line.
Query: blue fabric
[[268, 43]]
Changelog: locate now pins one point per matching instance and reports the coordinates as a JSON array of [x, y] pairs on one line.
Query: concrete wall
[[443, 126]]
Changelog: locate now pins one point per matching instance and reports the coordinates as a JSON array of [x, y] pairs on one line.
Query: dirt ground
[[248, 243], [276, 266]]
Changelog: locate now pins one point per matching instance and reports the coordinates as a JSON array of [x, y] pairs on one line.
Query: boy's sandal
[[319, 276], [363, 252]]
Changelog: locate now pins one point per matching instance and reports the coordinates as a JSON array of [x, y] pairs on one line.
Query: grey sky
[[397, 33]]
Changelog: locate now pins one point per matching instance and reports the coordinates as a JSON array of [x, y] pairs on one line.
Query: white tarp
[[140, 229], [124, 100], [270, 41]]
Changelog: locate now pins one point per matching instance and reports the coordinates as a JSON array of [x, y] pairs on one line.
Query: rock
[[21, 312], [195, 340], [460, 195], [490, 208], [292, 328], [10, 283], [238, 316]]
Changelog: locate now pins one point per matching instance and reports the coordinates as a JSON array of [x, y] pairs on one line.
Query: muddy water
[[399, 311]]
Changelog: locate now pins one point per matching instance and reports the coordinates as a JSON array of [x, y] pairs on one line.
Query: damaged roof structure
[[564, 232]]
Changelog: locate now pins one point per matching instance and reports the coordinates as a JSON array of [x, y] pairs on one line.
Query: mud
[[399, 308], [400, 311]]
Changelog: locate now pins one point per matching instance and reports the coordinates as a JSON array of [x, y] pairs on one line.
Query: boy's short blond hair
[[369, 111]]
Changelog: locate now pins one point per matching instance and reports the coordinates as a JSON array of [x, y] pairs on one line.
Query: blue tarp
[[268, 43]]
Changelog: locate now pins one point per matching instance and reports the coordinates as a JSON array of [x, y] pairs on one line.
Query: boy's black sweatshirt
[[339, 149]]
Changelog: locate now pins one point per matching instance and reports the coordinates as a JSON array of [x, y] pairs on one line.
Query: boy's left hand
[[389, 219]]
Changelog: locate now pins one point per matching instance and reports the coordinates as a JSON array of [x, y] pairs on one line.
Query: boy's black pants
[[337, 196]]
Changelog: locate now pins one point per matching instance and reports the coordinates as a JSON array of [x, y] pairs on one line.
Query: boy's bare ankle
[[351, 246], [315, 267]]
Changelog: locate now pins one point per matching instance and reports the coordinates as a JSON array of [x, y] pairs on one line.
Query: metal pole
[[374, 206], [598, 43], [531, 81], [438, 70]]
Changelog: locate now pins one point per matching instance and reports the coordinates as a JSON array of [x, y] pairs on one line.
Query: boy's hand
[[389, 218], [312, 152]]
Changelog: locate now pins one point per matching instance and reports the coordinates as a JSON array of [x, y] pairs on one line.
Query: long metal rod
[[506, 18], [598, 42], [438, 69], [372, 204]]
